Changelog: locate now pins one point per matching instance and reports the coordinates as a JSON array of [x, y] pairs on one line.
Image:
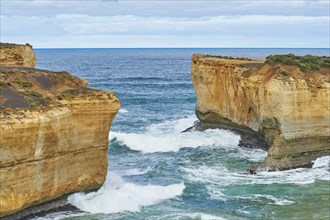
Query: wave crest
[[168, 136], [132, 197]]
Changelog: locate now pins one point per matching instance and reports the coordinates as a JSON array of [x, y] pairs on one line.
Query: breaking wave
[[122, 110], [222, 176], [168, 136], [132, 197]]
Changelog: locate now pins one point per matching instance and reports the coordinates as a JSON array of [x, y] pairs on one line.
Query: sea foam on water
[[168, 136], [116, 195]]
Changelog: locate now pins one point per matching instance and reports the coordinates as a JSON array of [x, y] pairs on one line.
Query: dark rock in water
[[252, 140], [58, 205], [264, 168], [192, 128], [249, 138]]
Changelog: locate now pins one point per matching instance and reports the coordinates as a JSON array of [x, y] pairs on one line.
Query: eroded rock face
[[17, 55], [288, 107], [54, 136]]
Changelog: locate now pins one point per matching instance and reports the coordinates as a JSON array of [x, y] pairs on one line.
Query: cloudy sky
[[166, 23]]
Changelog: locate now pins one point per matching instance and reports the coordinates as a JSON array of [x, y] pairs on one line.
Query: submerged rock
[[283, 104], [54, 136]]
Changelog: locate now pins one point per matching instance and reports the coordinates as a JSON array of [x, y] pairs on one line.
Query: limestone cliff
[[54, 136], [285, 104], [17, 55]]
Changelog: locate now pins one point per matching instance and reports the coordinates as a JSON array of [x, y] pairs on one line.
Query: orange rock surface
[[288, 107], [17, 55], [53, 136]]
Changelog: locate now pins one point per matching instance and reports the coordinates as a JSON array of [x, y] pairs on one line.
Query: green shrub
[[305, 63], [229, 57], [24, 84], [31, 93], [65, 96]]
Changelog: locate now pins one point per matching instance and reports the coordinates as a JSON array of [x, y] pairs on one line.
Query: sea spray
[[123, 111], [168, 136], [116, 195], [222, 176]]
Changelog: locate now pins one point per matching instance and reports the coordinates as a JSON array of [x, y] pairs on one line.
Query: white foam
[[322, 162], [215, 192], [255, 155], [133, 171], [282, 202], [220, 176], [168, 136], [170, 126], [59, 215], [209, 217], [116, 195], [273, 200], [201, 216], [122, 110]]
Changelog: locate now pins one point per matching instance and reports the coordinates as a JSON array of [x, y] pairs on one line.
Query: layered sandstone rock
[[17, 55], [286, 106], [54, 136]]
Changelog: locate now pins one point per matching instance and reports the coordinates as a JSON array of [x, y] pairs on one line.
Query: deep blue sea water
[[157, 172]]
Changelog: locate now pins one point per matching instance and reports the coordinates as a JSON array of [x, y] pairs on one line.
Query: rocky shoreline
[[57, 205], [280, 104], [54, 134]]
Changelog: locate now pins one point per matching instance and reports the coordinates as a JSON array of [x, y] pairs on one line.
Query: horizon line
[[181, 48]]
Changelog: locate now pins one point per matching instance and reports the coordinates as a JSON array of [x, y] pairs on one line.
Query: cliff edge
[[283, 100], [17, 55], [54, 136]]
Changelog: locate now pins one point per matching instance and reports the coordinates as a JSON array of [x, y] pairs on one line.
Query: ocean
[[157, 172]]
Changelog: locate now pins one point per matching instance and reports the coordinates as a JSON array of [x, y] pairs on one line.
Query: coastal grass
[[228, 57], [10, 45], [305, 63], [31, 93], [65, 96], [24, 84]]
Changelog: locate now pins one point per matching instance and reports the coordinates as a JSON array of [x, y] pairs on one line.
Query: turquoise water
[[157, 172]]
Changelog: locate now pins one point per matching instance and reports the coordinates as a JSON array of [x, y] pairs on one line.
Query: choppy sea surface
[[157, 172]]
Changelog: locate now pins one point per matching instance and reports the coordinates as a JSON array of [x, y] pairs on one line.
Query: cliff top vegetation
[[10, 45], [305, 63], [22, 87], [229, 57]]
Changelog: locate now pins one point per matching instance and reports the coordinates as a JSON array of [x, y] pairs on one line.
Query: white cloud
[[136, 41], [31, 25], [46, 3], [165, 8], [129, 24], [218, 31], [166, 23]]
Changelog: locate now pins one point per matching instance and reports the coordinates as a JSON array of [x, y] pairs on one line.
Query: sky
[[166, 23]]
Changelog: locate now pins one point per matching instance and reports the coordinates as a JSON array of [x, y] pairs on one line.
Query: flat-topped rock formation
[[17, 55], [54, 136], [283, 101]]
